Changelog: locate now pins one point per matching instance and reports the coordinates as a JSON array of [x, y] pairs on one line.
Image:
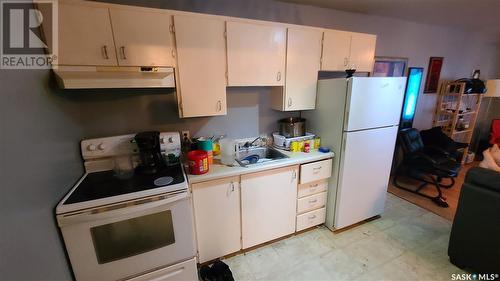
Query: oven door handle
[[120, 210]]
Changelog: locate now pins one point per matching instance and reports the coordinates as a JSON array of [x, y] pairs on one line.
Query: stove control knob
[[91, 147], [170, 140], [102, 146]]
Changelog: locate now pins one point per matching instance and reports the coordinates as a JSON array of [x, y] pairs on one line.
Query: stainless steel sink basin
[[257, 155]]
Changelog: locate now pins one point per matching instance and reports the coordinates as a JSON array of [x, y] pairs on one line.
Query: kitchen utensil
[[292, 127], [198, 162], [150, 151], [251, 159]]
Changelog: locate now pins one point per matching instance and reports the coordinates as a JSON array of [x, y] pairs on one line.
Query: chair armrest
[[422, 156], [436, 150]]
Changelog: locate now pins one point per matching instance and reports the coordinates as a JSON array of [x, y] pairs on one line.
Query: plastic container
[[198, 162], [307, 146], [123, 167], [207, 145], [227, 151]]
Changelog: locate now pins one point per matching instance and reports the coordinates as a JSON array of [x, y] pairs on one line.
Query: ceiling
[[469, 14]]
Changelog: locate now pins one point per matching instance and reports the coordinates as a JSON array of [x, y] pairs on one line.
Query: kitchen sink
[[258, 155]]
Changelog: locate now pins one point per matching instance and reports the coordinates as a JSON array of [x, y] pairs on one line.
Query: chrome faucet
[[249, 144]]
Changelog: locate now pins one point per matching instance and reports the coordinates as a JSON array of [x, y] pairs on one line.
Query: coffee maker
[[150, 152]]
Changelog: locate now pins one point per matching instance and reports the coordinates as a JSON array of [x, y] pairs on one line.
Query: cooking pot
[[292, 127]]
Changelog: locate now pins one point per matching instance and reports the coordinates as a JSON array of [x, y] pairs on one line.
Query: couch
[[475, 234]]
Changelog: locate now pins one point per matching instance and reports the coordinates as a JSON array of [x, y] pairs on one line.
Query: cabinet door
[[201, 63], [336, 50], [217, 215], [268, 205], [303, 60], [255, 54], [85, 36], [142, 38], [362, 51]]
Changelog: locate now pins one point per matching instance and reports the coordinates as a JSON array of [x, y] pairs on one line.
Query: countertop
[[217, 170]]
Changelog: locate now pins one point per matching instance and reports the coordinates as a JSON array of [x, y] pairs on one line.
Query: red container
[[198, 162]]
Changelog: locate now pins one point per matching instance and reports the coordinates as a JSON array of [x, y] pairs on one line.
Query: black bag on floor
[[219, 271]]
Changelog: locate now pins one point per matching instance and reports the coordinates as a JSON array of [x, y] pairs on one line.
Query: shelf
[[447, 112], [462, 132], [467, 113]]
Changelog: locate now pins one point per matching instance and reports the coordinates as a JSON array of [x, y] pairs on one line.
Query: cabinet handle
[[294, 175], [312, 217], [219, 105], [278, 76], [289, 102], [316, 170], [313, 201], [122, 49], [105, 52], [345, 61], [314, 185], [173, 53], [232, 186]]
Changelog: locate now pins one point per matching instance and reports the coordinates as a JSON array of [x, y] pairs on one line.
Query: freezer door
[[373, 102], [364, 174]]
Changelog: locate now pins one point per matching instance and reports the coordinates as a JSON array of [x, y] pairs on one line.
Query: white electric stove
[[138, 227]]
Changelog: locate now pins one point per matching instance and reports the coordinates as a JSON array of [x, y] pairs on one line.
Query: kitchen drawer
[[185, 271], [311, 219], [311, 202], [311, 188], [315, 171]]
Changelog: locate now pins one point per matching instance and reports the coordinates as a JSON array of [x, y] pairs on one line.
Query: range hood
[[100, 77]]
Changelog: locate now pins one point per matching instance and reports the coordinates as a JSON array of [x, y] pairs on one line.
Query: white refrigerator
[[358, 118]]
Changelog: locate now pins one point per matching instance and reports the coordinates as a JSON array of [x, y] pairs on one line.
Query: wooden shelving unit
[[456, 112]]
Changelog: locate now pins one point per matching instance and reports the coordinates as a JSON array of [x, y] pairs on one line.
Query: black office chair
[[427, 164]]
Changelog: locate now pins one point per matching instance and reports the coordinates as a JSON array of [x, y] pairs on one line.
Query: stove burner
[[163, 181]]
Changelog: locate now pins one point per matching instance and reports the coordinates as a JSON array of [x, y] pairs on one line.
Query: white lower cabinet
[[217, 216], [240, 212], [268, 205]]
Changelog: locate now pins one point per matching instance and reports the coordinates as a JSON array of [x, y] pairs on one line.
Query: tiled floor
[[407, 243]]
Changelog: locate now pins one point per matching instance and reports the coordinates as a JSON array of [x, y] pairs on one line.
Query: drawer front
[[311, 188], [185, 271], [311, 219], [315, 171], [311, 202]]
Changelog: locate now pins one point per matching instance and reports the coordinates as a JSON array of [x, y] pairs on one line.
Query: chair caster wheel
[[441, 202]]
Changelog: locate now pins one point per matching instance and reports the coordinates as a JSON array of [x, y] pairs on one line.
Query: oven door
[[130, 238]]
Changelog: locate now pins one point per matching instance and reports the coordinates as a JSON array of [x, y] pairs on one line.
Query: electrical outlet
[[185, 134]]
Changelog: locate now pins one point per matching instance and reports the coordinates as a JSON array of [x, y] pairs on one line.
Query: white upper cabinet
[[336, 50], [303, 59], [255, 54], [343, 50], [142, 38], [201, 66], [85, 36], [363, 51]]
